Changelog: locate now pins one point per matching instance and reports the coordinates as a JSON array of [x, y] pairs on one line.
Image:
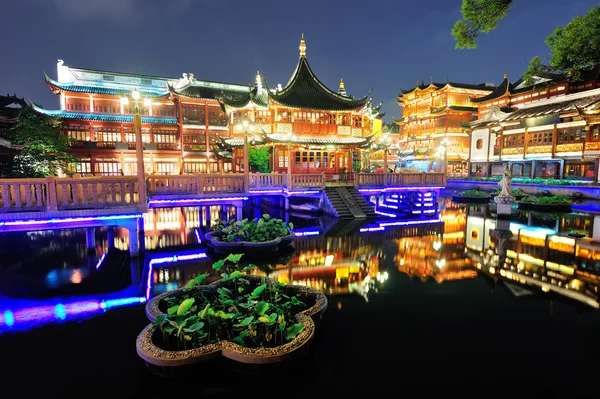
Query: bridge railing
[[267, 180], [196, 184], [50, 193], [316, 181], [399, 179]]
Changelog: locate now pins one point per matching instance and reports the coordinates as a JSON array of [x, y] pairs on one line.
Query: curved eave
[[102, 117], [345, 141], [500, 91], [339, 102], [60, 87], [238, 143]]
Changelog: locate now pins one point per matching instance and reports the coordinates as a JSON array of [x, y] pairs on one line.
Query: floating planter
[[251, 236], [552, 203], [471, 197], [248, 319]]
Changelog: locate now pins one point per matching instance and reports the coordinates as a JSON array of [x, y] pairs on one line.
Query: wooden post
[[246, 164]]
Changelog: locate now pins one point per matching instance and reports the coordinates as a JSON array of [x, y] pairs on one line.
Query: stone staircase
[[346, 203]]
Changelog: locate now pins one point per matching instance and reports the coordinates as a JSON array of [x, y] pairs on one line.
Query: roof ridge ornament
[[302, 47], [258, 81], [342, 89]]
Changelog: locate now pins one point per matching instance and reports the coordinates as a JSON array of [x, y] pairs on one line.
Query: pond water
[[455, 299]]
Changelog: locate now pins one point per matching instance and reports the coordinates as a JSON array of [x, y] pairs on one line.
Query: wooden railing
[[267, 180], [196, 184], [399, 179], [49, 194], [308, 181]]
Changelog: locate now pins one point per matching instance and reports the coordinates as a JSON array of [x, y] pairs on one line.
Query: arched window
[[479, 144]]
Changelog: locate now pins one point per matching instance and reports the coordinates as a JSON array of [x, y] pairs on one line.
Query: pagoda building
[[548, 127], [310, 128], [195, 126], [432, 118]]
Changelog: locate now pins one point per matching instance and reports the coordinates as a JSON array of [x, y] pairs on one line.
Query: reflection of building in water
[[542, 257], [173, 227], [439, 254]]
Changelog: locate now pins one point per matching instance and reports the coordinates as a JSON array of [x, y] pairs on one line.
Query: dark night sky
[[386, 45]]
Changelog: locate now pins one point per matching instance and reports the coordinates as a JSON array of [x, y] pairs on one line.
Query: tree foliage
[[575, 47], [478, 16], [45, 149], [258, 159]]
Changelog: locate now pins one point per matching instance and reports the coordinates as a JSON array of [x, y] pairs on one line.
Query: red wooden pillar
[[179, 111]]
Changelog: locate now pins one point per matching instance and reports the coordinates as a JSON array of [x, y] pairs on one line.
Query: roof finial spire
[[342, 89], [258, 81], [505, 76], [431, 80], [302, 47]]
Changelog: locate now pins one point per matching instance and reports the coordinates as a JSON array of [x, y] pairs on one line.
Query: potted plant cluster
[[471, 196], [264, 234], [246, 318], [548, 203]]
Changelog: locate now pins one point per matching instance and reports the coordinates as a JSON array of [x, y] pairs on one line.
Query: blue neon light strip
[[25, 318], [69, 220], [170, 259], [386, 214], [100, 261]]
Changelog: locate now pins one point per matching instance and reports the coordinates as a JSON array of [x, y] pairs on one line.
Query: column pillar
[[287, 204], [206, 216], [238, 212], [111, 237], [90, 239], [134, 247], [533, 168]]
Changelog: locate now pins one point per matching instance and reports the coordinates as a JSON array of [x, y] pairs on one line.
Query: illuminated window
[[479, 144]]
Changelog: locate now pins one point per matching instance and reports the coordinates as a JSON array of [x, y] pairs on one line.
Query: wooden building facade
[[433, 116], [195, 126]]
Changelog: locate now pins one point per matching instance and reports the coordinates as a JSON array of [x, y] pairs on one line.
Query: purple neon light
[[28, 317], [266, 191], [386, 189], [183, 200], [198, 239], [306, 233], [169, 259], [303, 192], [69, 220], [100, 261], [386, 214]]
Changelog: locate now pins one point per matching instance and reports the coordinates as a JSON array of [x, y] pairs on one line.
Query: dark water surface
[[417, 307]]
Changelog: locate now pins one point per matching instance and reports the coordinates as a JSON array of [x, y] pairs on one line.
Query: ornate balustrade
[[382, 180], [196, 184], [267, 180], [52, 193], [308, 181]]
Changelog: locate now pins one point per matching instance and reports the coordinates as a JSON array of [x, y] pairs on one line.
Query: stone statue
[[505, 190]]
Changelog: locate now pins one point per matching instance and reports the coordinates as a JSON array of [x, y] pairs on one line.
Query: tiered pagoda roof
[[304, 90], [438, 86]]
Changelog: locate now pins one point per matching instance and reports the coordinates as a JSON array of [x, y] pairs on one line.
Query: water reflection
[[540, 253]]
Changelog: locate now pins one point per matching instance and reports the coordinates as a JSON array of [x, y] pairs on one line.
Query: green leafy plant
[[260, 229], [473, 193], [517, 192], [251, 313], [548, 200]]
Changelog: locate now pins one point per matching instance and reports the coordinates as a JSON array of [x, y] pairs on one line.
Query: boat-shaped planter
[[470, 200], [250, 247], [166, 362], [546, 208]]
